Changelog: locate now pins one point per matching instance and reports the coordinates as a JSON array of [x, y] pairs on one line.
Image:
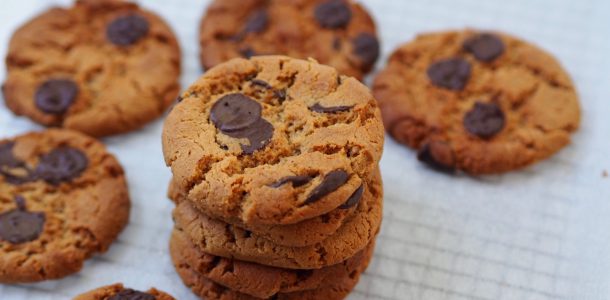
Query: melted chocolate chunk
[[258, 134], [485, 47], [55, 96], [129, 294], [12, 169], [127, 30], [366, 47], [337, 43], [452, 73], [61, 165], [257, 22], [438, 156], [247, 52], [235, 112], [354, 199], [332, 109], [484, 120], [7, 159], [261, 83], [296, 181], [280, 94], [332, 181], [333, 14], [19, 226]]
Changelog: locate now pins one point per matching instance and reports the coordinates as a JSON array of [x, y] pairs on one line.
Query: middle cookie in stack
[[275, 174]]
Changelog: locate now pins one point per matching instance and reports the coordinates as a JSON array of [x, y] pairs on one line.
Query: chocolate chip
[[234, 112], [337, 43], [127, 30], [438, 156], [303, 275], [19, 226], [261, 83], [55, 96], [258, 134], [366, 47], [330, 183], [7, 159], [12, 169], [61, 165], [332, 109], [485, 47], [247, 52], [280, 94], [333, 14], [452, 73], [484, 120], [129, 294], [296, 181], [353, 199], [16, 179], [257, 22]]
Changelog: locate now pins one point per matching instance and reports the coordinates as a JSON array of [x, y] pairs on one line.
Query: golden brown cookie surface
[[99, 67], [476, 101], [339, 33], [63, 198]]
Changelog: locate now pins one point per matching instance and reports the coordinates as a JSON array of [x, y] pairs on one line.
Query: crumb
[[604, 173]]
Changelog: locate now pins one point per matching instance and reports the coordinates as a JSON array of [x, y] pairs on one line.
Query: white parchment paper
[[539, 233]]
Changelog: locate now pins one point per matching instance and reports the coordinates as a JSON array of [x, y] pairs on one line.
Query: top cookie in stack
[[275, 162], [272, 140]]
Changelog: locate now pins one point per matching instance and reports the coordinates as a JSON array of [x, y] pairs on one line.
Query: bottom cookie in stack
[[215, 277]]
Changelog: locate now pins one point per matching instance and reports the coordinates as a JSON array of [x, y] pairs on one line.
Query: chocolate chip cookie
[[259, 280], [307, 232], [273, 140], [481, 102], [209, 290], [119, 292], [63, 198], [339, 33], [99, 67], [221, 239]]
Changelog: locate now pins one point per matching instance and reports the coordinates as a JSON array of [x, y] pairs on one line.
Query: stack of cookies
[[275, 179]]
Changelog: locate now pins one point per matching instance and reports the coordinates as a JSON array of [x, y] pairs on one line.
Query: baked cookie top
[[119, 292], [339, 33], [273, 140], [260, 280], [481, 102], [99, 67], [221, 239], [62, 199]]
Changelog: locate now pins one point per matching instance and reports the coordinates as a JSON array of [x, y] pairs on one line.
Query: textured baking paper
[[541, 233]]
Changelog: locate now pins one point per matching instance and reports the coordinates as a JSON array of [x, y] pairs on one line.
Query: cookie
[[99, 67], [63, 198], [307, 232], [480, 102], [209, 290], [338, 33], [221, 239], [259, 280], [212, 277], [272, 140], [119, 292]]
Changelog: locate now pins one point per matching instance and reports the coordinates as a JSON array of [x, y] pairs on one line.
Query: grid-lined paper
[[541, 233]]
